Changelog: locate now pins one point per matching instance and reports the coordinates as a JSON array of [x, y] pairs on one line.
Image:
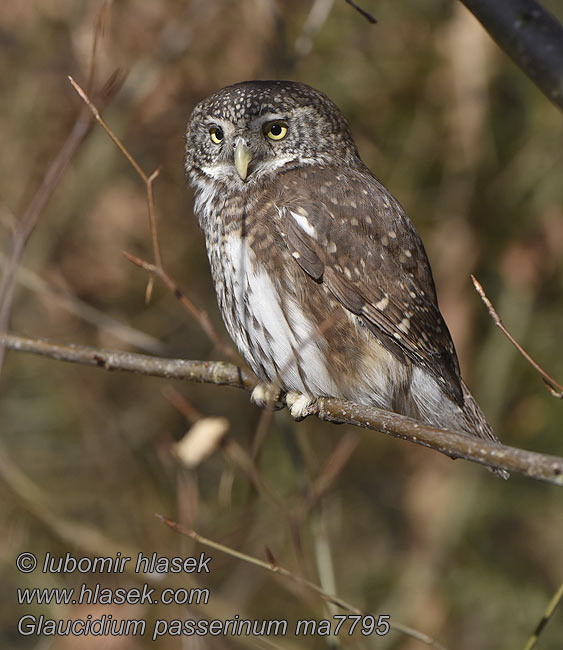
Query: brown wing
[[344, 229]]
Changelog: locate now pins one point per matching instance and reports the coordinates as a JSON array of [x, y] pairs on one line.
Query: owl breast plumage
[[321, 279]]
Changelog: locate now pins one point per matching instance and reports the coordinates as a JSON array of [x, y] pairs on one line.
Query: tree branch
[[530, 35], [206, 372], [456, 445]]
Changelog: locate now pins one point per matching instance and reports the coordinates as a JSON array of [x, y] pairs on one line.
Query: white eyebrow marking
[[304, 224], [227, 126], [257, 122]]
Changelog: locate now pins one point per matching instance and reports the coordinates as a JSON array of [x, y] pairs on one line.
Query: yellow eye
[[216, 134], [276, 131]]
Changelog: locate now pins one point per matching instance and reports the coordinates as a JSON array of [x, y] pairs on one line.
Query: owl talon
[[299, 405], [267, 396]]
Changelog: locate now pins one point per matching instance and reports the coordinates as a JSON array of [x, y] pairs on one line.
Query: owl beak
[[243, 156]]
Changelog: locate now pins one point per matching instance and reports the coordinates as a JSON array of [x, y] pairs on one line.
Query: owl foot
[[299, 405], [267, 396]]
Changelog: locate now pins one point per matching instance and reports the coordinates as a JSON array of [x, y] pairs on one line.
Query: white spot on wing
[[382, 304], [404, 325], [304, 224]]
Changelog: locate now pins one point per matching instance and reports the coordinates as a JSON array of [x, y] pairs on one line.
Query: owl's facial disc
[[248, 148], [255, 145], [282, 125]]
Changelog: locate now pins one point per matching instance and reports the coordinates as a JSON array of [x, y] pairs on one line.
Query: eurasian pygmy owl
[[321, 278]]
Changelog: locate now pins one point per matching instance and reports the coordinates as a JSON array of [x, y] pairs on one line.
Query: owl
[[322, 281]]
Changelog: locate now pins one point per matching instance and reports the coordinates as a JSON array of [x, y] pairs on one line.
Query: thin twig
[[182, 405], [199, 314], [89, 539], [50, 182], [332, 468], [150, 202], [324, 561], [239, 456], [532, 464], [156, 269], [262, 430], [50, 294], [555, 388], [363, 12], [553, 603], [246, 463], [273, 567], [100, 120], [147, 179], [101, 25]]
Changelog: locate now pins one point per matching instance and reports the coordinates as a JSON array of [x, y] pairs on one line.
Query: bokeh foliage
[[474, 153]]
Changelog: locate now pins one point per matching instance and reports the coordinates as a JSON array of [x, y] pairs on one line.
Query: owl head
[[249, 131]]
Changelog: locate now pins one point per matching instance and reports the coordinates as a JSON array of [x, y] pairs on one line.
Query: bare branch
[[332, 469], [156, 269], [199, 314], [456, 445], [273, 567], [555, 388], [30, 218], [89, 538], [148, 180], [207, 372], [363, 12], [86, 312], [531, 37]]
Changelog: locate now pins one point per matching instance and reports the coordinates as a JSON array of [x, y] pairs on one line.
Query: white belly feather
[[271, 331]]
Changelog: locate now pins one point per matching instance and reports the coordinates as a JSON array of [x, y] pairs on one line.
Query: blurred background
[[474, 153]]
